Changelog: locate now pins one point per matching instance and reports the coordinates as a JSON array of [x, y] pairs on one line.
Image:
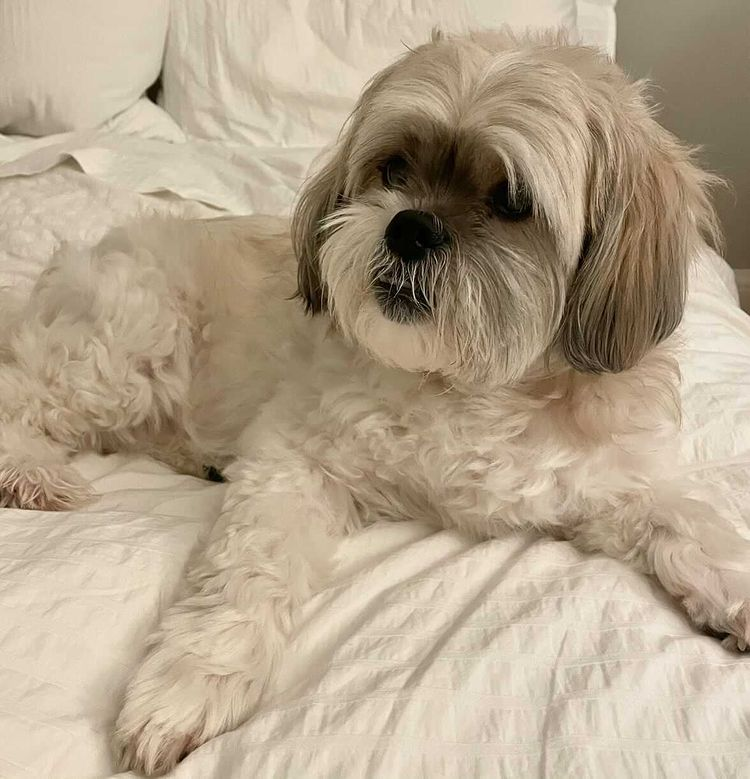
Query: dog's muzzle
[[399, 283]]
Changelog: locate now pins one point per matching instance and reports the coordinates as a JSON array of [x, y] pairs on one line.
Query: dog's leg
[[216, 649], [100, 349], [693, 550], [34, 472], [34, 469]]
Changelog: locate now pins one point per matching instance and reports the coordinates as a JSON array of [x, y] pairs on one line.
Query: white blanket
[[430, 656]]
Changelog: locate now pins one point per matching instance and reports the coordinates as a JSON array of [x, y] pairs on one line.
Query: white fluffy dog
[[494, 251]]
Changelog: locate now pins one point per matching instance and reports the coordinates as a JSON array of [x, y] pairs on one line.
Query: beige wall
[[697, 53]]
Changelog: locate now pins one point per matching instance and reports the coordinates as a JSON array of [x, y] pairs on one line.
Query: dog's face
[[494, 201]]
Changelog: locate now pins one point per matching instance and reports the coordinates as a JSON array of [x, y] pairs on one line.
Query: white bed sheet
[[430, 656]]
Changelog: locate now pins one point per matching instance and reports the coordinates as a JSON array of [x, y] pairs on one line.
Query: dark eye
[[393, 171], [514, 206]]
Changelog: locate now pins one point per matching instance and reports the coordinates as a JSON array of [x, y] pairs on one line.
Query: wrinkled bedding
[[430, 655]]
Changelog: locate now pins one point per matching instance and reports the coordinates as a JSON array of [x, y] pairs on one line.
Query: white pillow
[[596, 23], [276, 73], [75, 64]]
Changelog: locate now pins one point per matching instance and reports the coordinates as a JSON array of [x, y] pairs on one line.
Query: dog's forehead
[[449, 153], [450, 82], [443, 157], [487, 113], [442, 152]]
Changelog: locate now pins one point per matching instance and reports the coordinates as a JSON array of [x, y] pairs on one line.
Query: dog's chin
[[396, 336], [399, 302]]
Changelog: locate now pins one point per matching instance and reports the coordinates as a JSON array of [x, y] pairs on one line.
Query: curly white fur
[[179, 339]]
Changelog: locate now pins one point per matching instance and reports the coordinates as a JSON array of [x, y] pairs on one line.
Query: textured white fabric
[[237, 178], [429, 656], [287, 72], [143, 119], [75, 64]]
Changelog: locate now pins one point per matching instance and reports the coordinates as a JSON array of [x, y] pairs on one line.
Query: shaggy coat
[[494, 252]]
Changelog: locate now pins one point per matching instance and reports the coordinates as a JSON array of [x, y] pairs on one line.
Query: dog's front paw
[[161, 722], [737, 638], [151, 748], [171, 710], [726, 613]]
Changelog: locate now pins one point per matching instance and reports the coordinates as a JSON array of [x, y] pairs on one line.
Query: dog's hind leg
[[35, 474], [99, 353]]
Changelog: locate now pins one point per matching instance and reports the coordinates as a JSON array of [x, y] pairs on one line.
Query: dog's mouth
[[400, 300]]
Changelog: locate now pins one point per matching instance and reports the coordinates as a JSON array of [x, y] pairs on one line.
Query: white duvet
[[430, 656]]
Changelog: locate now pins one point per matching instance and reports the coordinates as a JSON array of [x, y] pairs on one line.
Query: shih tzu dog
[[493, 253]]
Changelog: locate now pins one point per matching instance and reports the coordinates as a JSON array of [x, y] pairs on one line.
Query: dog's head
[[492, 201]]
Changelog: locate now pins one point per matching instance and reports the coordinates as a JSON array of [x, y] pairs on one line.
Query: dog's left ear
[[648, 212]]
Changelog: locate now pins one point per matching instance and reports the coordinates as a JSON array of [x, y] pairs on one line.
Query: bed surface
[[429, 655]]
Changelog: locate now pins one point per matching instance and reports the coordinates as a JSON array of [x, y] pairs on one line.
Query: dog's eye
[[393, 171], [515, 206]]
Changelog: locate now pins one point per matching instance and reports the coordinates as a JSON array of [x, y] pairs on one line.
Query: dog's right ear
[[325, 189], [317, 200]]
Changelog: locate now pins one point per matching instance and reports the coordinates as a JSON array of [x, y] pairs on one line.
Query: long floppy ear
[[322, 192], [648, 213], [317, 200]]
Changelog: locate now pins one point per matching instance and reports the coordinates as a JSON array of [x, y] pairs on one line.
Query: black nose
[[411, 234]]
